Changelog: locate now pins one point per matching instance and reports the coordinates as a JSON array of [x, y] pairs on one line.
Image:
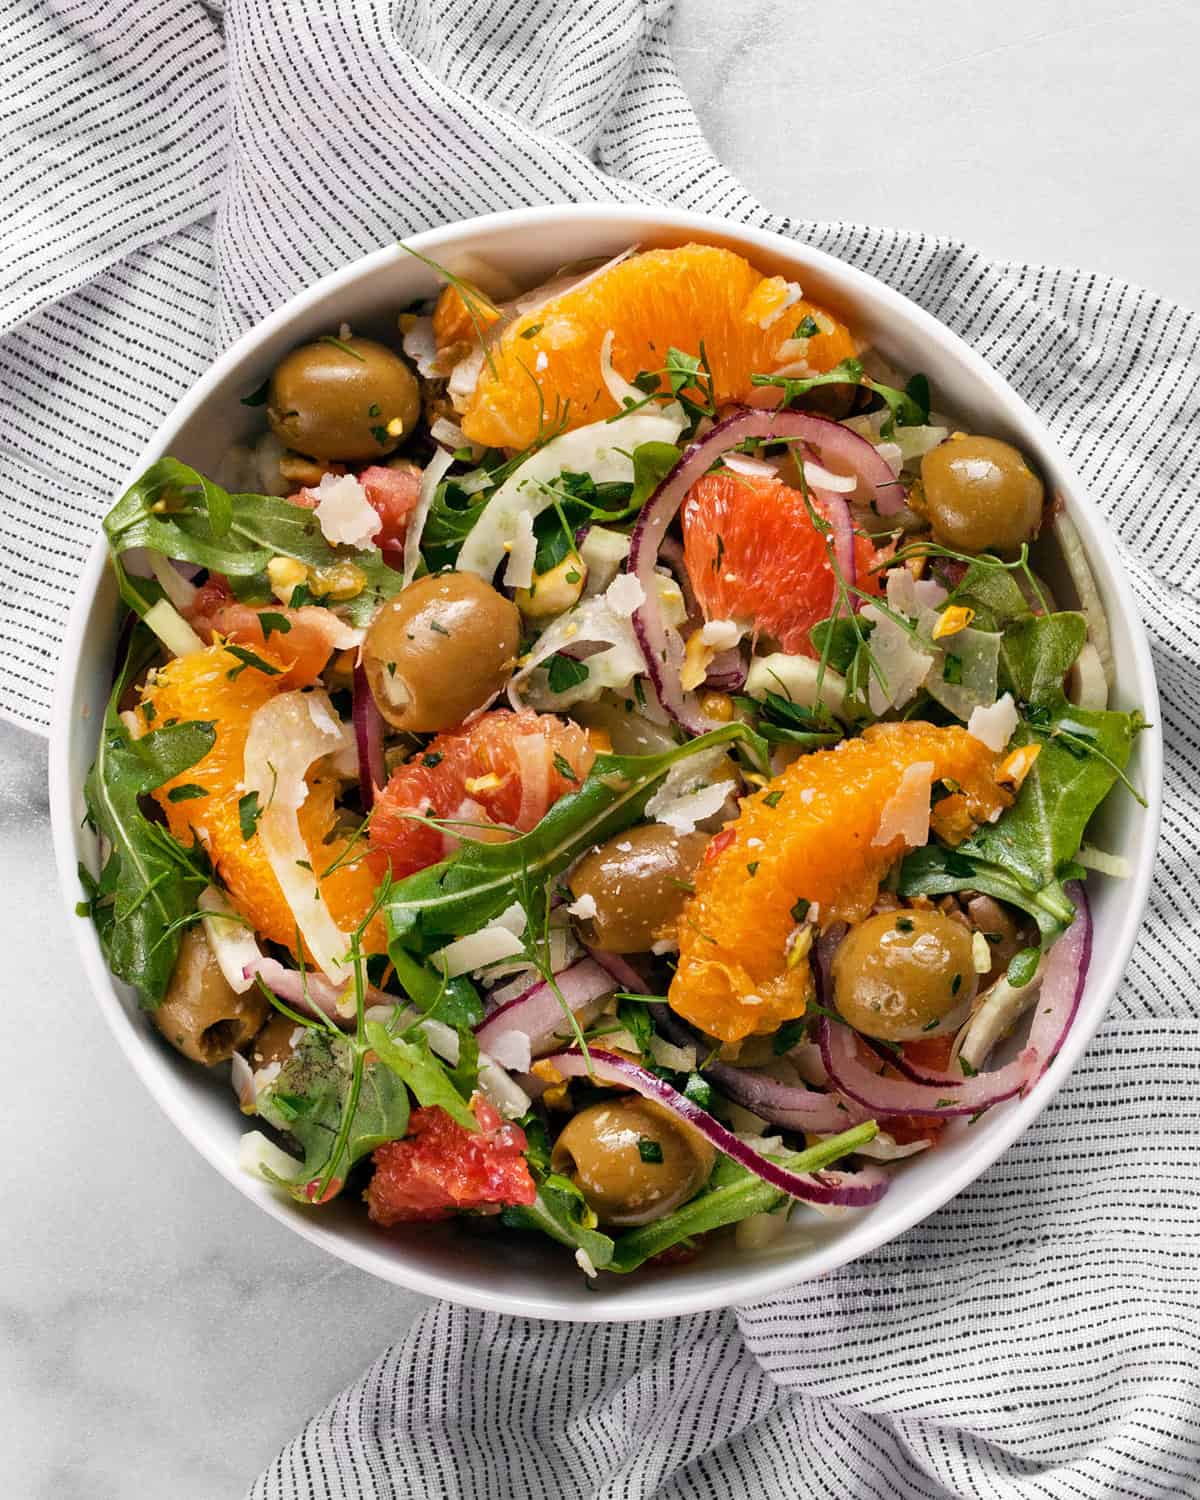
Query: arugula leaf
[[415, 1065], [454, 1001], [479, 880], [843, 641], [307, 1097], [782, 722], [1036, 653], [560, 1209], [937, 871], [1082, 752], [994, 595], [149, 882], [236, 535], [564, 672], [732, 1193]]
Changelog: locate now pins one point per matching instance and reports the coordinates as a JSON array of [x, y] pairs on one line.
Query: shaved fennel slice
[[172, 629], [430, 479], [602, 449], [231, 941], [995, 1015], [1090, 605], [286, 736]]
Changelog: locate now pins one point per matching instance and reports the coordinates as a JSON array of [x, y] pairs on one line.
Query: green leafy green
[[415, 1065], [652, 462], [175, 511], [993, 593], [564, 672], [1036, 653], [782, 722], [560, 1209], [906, 408], [732, 1193], [149, 883], [1082, 753], [454, 1001], [479, 880], [842, 638], [937, 871], [308, 1097]]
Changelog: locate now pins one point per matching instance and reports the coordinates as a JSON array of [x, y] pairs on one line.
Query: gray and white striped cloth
[[174, 174]]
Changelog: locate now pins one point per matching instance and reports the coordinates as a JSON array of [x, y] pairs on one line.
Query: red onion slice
[[622, 971], [662, 646], [310, 991], [837, 513], [538, 1012], [846, 1190], [945, 1095], [368, 739]]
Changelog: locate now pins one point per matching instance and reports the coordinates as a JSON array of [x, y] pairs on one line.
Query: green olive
[[901, 975], [349, 399], [979, 493], [274, 1043], [439, 650], [639, 881], [201, 1014], [633, 1160]]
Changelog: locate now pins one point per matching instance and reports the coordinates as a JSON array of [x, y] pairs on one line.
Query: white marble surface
[[160, 1336]]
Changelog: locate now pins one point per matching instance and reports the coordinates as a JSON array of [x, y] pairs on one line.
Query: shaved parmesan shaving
[[283, 741], [683, 809], [602, 552], [667, 1055], [625, 594], [432, 476], [449, 434], [344, 514], [797, 678], [231, 941], [477, 950], [994, 726], [519, 572], [722, 635], [513, 1050], [909, 596], [981, 953], [511, 1100], [584, 908], [902, 667], [420, 344], [905, 814]]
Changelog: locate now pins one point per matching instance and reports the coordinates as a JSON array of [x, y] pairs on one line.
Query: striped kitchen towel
[[173, 174]]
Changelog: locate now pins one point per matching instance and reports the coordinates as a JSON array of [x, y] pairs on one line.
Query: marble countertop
[[158, 1330]]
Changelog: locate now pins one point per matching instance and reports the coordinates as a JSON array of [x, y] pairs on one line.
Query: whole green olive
[[633, 1160], [979, 493], [275, 1042], [349, 399], [201, 1014], [638, 882], [901, 975], [440, 649]]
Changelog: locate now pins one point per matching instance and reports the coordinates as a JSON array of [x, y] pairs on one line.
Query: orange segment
[[809, 836], [452, 320], [199, 687], [653, 301]]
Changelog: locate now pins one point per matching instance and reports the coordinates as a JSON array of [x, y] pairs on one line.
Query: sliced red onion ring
[[837, 513], [310, 991], [793, 1108], [727, 671], [946, 1094], [846, 1190], [538, 1012], [662, 646], [368, 739], [623, 972]]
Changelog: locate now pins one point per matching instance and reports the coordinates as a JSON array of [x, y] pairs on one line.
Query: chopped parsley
[[564, 672], [248, 658], [806, 328], [433, 758], [187, 792], [800, 910], [270, 620], [773, 799], [438, 627], [648, 1150], [249, 813], [564, 768], [753, 868], [904, 924]]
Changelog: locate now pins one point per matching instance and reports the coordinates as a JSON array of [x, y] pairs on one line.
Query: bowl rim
[[751, 1281]]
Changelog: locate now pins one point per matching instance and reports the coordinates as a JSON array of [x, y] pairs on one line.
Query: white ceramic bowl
[[535, 1279]]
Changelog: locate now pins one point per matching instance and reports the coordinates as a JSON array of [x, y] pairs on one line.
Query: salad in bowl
[[607, 761]]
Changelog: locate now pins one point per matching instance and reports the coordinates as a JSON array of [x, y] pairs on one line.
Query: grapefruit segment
[[753, 555], [505, 768], [548, 360], [810, 837]]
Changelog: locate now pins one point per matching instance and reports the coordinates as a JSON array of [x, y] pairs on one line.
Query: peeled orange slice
[[809, 836], [213, 685], [547, 362]]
